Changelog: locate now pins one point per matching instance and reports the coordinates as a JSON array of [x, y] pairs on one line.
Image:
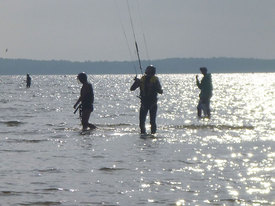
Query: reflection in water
[[225, 160]]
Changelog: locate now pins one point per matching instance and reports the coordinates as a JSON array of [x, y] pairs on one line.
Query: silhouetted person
[[28, 80], [206, 92], [149, 88], [87, 100]]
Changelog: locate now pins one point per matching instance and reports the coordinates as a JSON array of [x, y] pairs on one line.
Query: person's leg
[[207, 105], [153, 115], [85, 118], [142, 117], [92, 126], [204, 108], [199, 108]]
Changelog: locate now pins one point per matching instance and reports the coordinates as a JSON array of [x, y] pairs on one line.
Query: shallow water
[[227, 160]]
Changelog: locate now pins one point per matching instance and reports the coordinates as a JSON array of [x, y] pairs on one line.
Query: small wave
[[25, 116], [50, 170], [114, 125], [188, 163], [211, 126], [51, 189], [114, 115], [98, 156], [4, 101], [14, 193], [16, 151], [25, 140], [9, 193], [13, 123], [111, 169], [42, 203]]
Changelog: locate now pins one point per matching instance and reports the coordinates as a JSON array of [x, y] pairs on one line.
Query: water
[[227, 160]]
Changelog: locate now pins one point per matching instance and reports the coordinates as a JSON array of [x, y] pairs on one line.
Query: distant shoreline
[[164, 66]]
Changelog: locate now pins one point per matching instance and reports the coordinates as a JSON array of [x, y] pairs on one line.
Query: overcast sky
[[93, 30]]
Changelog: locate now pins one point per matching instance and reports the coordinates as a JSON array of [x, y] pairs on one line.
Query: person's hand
[[75, 106], [136, 79]]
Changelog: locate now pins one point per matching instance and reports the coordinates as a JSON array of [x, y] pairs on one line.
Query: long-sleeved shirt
[[205, 86], [149, 86]]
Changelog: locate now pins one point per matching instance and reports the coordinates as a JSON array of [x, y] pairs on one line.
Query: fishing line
[[125, 36], [143, 34], [133, 30]]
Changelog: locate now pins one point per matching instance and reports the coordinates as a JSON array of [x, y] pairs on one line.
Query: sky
[[100, 30]]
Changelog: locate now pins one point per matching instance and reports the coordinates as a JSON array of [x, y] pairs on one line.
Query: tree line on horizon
[[164, 66]]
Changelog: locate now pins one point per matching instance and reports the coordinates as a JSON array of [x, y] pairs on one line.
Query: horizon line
[[146, 60]]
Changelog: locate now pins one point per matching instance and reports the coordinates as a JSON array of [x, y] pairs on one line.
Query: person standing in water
[[206, 92], [150, 87], [87, 100], [28, 80]]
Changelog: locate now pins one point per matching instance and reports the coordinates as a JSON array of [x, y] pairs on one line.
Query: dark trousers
[[152, 108], [204, 105], [85, 116]]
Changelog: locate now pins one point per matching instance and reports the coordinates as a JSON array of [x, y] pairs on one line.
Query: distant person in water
[[149, 88], [28, 80], [206, 92], [87, 100]]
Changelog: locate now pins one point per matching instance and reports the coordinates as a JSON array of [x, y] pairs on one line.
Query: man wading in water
[[206, 92], [87, 100], [149, 88]]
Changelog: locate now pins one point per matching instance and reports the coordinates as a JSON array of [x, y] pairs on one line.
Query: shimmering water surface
[[227, 160]]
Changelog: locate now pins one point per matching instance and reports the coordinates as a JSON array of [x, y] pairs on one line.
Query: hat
[[150, 70], [82, 77], [203, 69]]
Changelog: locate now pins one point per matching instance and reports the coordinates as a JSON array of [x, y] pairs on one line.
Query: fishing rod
[[77, 108], [133, 30], [138, 58]]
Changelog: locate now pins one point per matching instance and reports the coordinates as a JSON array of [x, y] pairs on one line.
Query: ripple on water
[[12, 123], [49, 170], [111, 169], [41, 203], [26, 140], [226, 160], [212, 126]]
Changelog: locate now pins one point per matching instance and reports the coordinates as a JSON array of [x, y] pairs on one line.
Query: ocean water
[[226, 160]]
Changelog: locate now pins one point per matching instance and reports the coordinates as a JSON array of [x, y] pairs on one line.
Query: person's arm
[[159, 88], [92, 91], [77, 102], [197, 81], [135, 85], [83, 94]]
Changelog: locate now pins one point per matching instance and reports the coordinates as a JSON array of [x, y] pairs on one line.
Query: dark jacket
[[205, 86], [87, 95], [149, 86]]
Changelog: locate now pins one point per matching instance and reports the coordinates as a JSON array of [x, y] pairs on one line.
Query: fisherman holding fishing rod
[[206, 88], [87, 100], [150, 87]]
